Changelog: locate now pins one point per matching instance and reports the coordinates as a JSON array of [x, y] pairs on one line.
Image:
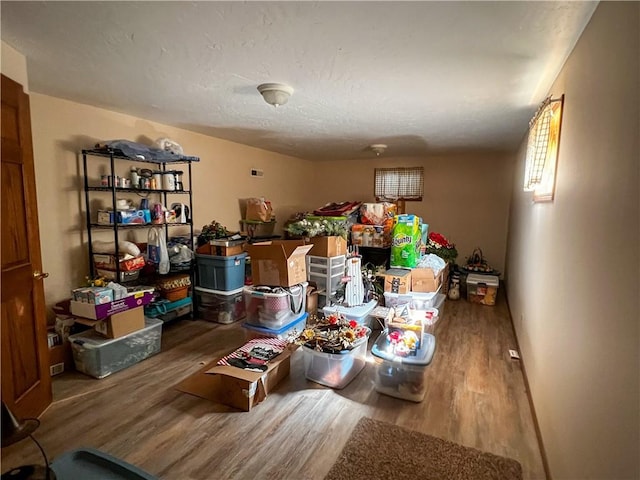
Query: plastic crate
[[275, 307], [414, 299], [221, 307], [294, 328], [221, 273], [402, 377], [482, 289], [98, 356], [360, 313], [335, 370]]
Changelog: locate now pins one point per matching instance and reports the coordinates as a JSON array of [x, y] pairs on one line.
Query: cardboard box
[[60, 358], [238, 388], [328, 246], [100, 312], [397, 280], [279, 262], [424, 280], [117, 325]]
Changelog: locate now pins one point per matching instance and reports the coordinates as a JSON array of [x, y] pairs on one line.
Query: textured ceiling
[[422, 77]]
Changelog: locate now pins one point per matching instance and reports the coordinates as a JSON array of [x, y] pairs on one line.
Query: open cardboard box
[[242, 389], [279, 262], [117, 325], [425, 279], [331, 246]]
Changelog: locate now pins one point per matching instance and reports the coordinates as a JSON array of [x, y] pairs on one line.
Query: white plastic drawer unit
[[325, 265]]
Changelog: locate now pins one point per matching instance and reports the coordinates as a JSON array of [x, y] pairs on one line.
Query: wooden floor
[[476, 397]]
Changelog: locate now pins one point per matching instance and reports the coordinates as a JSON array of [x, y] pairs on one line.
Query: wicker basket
[[174, 294]]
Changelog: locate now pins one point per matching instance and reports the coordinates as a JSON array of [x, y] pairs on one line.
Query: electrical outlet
[[514, 354], [257, 173]]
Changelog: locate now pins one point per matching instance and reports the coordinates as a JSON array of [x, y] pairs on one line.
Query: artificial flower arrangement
[[319, 228], [439, 245], [333, 334]]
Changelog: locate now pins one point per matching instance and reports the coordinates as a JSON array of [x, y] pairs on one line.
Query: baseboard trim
[[543, 453]]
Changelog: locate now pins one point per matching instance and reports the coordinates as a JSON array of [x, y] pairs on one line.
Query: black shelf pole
[[115, 216], [86, 201]]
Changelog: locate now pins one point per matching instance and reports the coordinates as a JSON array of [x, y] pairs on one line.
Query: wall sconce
[[275, 93]]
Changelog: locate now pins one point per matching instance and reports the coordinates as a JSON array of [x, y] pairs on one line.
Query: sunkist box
[[242, 389], [331, 246], [279, 262], [397, 280], [425, 280]]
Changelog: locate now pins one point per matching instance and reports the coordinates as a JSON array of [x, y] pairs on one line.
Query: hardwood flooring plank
[[475, 396]]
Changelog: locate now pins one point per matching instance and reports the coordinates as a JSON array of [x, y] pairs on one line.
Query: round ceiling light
[[378, 148], [275, 93]]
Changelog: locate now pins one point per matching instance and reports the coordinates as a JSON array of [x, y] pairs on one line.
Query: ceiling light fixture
[[275, 93], [378, 148]]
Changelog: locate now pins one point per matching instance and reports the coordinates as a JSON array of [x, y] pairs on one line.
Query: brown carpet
[[382, 451]]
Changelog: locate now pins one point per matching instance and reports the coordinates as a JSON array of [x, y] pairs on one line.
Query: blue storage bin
[[221, 273], [292, 328]]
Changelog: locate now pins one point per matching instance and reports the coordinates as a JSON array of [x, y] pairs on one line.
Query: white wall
[[14, 66], [62, 128], [573, 264]]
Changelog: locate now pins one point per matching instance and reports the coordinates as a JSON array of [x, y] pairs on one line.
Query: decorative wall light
[[542, 150], [275, 93], [378, 148]]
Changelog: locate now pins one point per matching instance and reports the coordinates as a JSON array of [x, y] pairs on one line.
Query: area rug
[[381, 451]]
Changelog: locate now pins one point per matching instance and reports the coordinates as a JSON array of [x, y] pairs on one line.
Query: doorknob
[[39, 275]]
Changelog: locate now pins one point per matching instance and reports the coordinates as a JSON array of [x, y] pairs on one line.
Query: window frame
[[397, 198], [545, 150]]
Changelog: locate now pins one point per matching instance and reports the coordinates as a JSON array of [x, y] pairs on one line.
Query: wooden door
[[26, 382]]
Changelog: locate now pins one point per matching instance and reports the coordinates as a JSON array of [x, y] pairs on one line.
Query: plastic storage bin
[[294, 328], [360, 314], [402, 377], [414, 299], [98, 356], [275, 307], [221, 273], [219, 306], [482, 288], [335, 370]]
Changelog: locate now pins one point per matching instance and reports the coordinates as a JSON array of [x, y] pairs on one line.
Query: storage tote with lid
[[220, 306], [98, 356], [402, 377], [359, 313], [294, 328], [274, 307], [482, 289]]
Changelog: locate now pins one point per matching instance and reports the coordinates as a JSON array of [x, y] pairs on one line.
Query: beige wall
[[466, 197], [573, 264], [14, 66], [62, 128]]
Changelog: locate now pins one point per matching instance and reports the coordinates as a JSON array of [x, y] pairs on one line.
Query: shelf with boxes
[[103, 170]]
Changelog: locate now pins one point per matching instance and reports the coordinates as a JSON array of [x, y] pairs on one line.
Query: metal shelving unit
[[114, 156]]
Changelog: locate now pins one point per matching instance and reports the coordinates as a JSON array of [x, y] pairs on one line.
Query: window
[[399, 183], [542, 150]]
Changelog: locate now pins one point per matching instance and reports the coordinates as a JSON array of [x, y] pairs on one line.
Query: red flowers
[[332, 319], [353, 324], [440, 239]]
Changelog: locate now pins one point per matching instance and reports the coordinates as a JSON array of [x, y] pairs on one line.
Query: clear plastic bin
[[98, 356], [415, 299], [294, 328], [360, 313], [219, 306], [402, 377], [275, 307], [335, 370]]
